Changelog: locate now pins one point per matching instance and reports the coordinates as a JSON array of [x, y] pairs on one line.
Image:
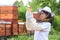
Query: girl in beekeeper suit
[[42, 26]]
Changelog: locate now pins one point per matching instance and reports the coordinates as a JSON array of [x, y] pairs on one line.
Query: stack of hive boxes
[[9, 14]]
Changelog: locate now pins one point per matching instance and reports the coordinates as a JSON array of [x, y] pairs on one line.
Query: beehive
[[8, 13]]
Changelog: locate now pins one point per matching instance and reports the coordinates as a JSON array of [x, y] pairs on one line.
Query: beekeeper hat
[[46, 9]]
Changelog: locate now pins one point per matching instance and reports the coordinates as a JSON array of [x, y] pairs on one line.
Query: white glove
[[33, 23]]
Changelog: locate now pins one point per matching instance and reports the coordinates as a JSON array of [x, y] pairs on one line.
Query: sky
[[7, 2], [26, 1], [10, 2]]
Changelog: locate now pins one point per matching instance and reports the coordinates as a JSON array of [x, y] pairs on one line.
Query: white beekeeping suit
[[30, 21]]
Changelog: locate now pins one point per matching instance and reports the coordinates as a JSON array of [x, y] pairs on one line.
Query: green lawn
[[27, 37]]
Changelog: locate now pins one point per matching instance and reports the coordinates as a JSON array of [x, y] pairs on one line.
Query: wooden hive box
[[8, 29], [2, 29], [8, 13], [15, 28], [21, 27]]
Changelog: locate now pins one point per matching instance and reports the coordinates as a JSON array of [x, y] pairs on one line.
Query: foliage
[[21, 13], [37, 4], [56, 23], [42, 3], [21, 10]]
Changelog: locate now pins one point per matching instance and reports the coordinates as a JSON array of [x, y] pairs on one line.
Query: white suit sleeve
[[28, 15], [44, 26]]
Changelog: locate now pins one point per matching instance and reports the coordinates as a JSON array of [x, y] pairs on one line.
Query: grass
[[54, 37], [27, 37], [21, 37]]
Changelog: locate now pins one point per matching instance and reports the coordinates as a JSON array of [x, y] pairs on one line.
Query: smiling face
[[44, 15]]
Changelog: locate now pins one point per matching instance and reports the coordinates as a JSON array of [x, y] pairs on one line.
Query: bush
[[56, 23], [21, 13]]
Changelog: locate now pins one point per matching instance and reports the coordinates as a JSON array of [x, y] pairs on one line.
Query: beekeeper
[[42, 27]]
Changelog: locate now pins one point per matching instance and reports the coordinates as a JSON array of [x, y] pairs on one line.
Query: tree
[[21, 10], [42, 3], [55, 7]]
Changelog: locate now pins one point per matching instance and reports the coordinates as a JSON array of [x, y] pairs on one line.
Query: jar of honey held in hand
[[29, 8]]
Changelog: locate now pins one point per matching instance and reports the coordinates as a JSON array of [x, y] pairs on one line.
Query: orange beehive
[[8, 13]]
